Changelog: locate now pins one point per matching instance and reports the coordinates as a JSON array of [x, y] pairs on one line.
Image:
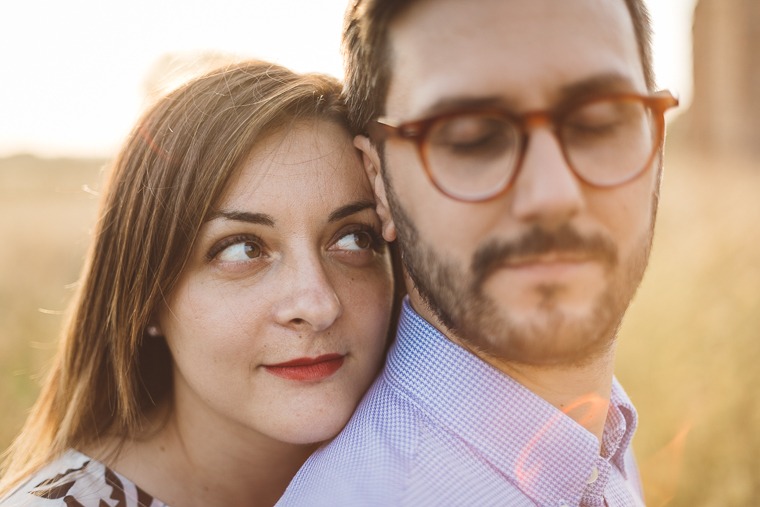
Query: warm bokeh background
[[689, 347]]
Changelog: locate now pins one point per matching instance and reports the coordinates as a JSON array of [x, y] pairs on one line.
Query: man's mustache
[[538, 241]]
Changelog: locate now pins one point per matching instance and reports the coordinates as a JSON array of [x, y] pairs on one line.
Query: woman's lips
[[307, 368]]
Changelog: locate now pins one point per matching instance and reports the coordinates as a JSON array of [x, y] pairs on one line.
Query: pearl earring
[[153, 330]]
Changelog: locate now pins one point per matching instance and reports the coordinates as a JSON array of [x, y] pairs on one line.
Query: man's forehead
[[528, 53]]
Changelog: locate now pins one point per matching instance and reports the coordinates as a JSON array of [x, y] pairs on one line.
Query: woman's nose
[[308, 299]]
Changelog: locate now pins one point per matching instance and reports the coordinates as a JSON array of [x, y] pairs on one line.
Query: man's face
[[543, 273]]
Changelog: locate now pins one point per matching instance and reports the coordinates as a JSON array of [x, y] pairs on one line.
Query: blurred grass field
[[45, 217], [688, 352]]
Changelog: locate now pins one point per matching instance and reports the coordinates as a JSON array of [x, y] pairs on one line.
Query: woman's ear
[[373, 169]]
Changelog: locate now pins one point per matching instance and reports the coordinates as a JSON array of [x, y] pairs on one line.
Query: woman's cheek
[[373, 297], [217, 319]]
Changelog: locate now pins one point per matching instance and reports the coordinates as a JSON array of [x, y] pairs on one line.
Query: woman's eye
[[240, 252], [354, 241]]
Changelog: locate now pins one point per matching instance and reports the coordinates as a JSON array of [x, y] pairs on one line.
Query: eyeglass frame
[[384, 128]]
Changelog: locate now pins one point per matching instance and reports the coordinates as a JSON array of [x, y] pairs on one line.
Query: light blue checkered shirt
[[441, 427]]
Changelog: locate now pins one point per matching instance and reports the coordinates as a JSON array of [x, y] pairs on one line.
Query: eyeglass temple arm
[[664, 100], [383, 128]]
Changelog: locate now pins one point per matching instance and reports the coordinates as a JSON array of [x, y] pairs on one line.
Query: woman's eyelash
[[378, 242], [229, 241]]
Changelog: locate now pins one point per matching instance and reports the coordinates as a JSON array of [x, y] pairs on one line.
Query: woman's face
[[279, 320]]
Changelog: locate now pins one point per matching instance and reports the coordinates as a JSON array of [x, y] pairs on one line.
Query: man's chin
[[543, 336], [540, 292]]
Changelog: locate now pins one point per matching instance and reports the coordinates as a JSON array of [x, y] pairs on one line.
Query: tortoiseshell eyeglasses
[[474, 155]]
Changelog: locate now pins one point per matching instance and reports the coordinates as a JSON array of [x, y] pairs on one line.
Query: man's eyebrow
[[597, 85], [350, 209], [242, 216], [446, 104]]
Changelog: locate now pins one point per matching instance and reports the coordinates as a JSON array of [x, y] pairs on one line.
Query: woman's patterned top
[[76, 480]]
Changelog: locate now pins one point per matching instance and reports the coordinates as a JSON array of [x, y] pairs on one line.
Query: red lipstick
[[307, 369]]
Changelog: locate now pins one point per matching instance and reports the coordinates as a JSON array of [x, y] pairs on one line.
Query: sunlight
[[79, 68]]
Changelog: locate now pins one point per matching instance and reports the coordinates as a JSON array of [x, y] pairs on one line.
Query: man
[[515, 151]]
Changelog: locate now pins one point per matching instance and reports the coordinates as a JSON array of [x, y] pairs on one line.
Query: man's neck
[[581, 391]]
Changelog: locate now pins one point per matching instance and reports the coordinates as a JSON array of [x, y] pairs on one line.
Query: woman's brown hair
[[108, 373]]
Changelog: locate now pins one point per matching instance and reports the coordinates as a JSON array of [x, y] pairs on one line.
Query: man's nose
[[546, 189], [307, 298]]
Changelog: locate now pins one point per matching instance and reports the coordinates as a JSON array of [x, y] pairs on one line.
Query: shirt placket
[[593, 494]]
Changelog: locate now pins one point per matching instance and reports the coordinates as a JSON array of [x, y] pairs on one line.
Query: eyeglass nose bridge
[[537, 119], [532, 121]]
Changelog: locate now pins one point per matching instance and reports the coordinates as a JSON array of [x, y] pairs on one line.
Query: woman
[[234, 306]]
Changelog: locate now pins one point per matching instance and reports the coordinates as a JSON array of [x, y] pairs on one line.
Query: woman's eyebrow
[[242, 216], [350, 209]]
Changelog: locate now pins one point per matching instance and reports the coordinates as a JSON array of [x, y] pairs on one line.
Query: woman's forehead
[[309, 164]]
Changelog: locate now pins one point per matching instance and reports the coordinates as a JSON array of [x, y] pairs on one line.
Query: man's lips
[[306, 369], [551, 258], [549, 267]]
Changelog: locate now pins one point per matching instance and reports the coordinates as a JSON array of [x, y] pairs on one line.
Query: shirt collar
[[535, 446], [619, 428]]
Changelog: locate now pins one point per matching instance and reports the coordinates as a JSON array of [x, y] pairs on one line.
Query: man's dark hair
[[366, 53]]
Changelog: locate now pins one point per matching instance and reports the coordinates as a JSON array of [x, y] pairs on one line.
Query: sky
[[74, 71]]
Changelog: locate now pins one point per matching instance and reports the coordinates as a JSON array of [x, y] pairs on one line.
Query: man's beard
[[459, 300]]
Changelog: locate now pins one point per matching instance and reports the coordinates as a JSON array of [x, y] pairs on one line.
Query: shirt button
[[594, 475]]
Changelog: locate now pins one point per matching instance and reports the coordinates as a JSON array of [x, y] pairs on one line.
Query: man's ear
[[372, 166]]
